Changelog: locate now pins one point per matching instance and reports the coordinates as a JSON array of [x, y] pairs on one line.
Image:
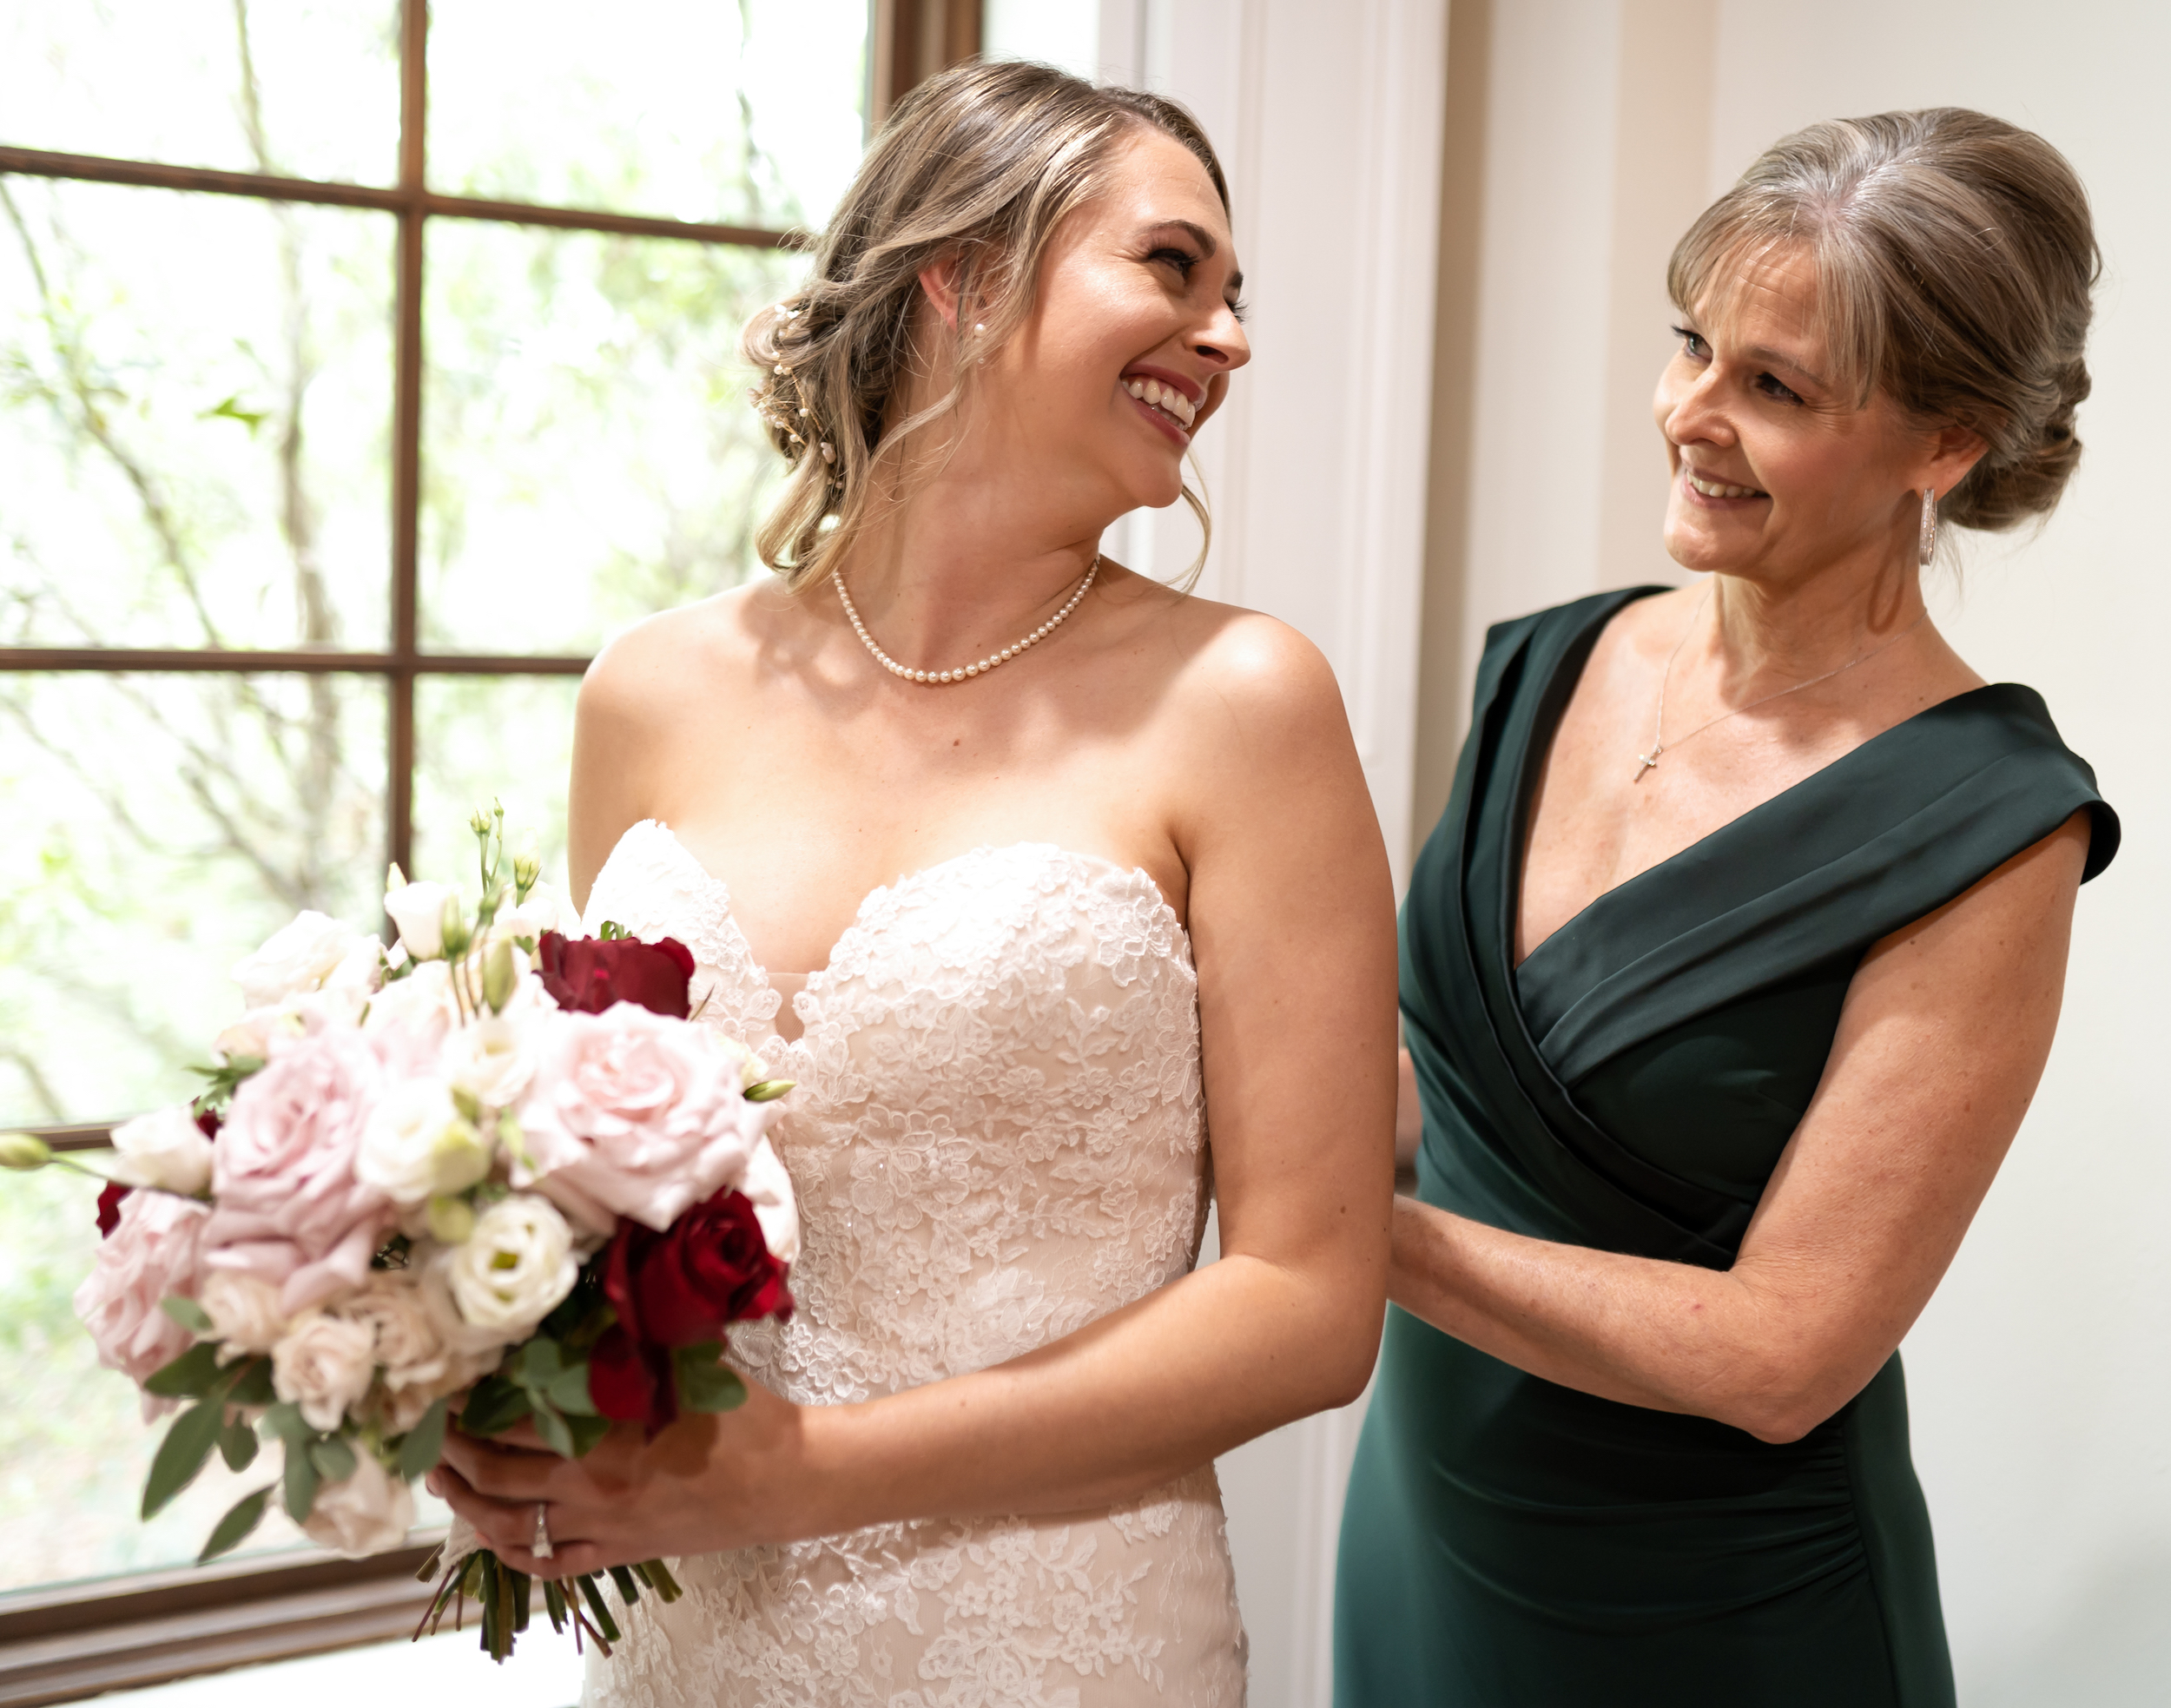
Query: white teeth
[[1166, 399], [1715, 488]]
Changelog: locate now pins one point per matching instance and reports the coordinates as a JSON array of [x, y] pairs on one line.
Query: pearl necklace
[[942, 678]]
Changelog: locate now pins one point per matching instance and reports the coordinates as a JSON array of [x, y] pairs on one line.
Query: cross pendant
[[1644, 762]]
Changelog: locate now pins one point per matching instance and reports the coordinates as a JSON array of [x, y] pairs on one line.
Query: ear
[[940, 281], [1953, 452]]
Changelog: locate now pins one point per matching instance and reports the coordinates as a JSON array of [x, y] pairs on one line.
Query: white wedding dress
[[998, 1137]]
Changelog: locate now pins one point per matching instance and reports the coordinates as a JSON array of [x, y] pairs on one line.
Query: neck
[[1772, 629]]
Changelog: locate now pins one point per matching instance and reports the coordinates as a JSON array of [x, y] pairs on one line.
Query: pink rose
[[633, 1113], [288, 1207], [155, 1253]]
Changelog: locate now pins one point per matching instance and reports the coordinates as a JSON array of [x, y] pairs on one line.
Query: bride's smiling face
[[1135, 326]]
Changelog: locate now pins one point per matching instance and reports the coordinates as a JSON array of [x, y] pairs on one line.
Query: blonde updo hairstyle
[[982, 163], [1957, 262]]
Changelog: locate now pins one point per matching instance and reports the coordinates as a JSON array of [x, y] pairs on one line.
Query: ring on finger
[[540, 1548]]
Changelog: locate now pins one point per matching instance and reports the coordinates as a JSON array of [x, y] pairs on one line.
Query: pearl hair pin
[[943, 678]]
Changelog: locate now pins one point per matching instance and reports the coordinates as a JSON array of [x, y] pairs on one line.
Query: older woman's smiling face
[[1778, 471]]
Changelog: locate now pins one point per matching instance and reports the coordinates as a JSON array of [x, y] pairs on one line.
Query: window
[[360, 372]]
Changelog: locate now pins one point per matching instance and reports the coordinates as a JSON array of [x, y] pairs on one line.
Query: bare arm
[[1940, 1044], [1291, 916]]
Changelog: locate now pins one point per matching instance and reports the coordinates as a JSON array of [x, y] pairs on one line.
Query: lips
[[1719, 489]]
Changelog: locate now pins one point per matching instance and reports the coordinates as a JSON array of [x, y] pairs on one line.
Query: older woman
[[1729, 974]]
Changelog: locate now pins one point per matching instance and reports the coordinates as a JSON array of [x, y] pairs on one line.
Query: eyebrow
[[1770, 358], [1208, 246]]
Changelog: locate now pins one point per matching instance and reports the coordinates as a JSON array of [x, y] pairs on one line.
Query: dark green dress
[[1630, 1087]]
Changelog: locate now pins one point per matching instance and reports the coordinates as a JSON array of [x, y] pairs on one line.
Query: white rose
[[419, 1366], [324, 1364], [165, 1149], [416, 1144], [512, 1272], [768, 1186], [302, 955], [419, 911], [244, 1312], [370, 1513], [494, 1058]]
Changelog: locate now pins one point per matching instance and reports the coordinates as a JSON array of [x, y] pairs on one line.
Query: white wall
[[1326, 116], [2039, 1374]]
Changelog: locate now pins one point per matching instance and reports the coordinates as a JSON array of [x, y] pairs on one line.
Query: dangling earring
[[1929, 524], [980, 330]]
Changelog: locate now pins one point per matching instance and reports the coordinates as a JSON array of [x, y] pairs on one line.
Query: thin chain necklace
[[943, 678], [1646, 760]]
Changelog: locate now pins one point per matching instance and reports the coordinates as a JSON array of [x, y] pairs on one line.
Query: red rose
[[711, 1268], [110, 1207], [587, 974]]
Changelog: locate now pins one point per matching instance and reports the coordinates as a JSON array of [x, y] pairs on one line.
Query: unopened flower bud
[[24, 1151], [499, 977], [452, 930], [526, 870], [451, 1220]]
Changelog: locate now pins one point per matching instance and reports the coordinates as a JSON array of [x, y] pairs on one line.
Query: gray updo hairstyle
[[981, 163], [1957, 260]]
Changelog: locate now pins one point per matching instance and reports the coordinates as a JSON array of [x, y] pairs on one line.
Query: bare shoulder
[[644, 672], [1237, 672]]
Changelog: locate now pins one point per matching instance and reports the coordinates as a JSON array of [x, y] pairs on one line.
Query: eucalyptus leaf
[[187, 1312], [570, 1393], [300, 1482], [243, 1516], [180, 1455], [419, 1450], [333, 1457], [538, 1364], [189, 1377], [251, 1384], [237, 1446], [494, 1406], [586, 1433], [284, 1421]]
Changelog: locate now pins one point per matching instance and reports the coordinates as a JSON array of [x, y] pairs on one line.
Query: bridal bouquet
[[496, 1175]]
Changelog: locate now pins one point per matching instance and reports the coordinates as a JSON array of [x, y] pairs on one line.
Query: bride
[[1143, 895]]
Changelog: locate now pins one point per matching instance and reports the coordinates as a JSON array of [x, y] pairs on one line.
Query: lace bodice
[[998, 1137]]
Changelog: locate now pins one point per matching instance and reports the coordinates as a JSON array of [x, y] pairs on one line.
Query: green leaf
[[538, 1364], [706, 1383], [419, 1448], [569, 1392], [494, 1406], [253, 1383], [333, 1457], [769, 1090], [586, 1433], [180, 1455], [231, 410], [187, 1312], [237, 1444], [300, 1482], [189, 1377], [284, 1421], [243, 1516], [556, 1437]]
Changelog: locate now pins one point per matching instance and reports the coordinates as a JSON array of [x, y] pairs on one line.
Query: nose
[[1219, 342], [1688, 407]]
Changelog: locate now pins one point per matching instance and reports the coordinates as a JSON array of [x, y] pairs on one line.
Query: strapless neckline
[[719, 892]]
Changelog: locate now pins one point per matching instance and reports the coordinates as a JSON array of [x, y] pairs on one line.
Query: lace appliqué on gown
[[998, 1136]]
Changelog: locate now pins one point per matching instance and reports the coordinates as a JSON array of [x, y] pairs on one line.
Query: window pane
[[589, 454], [194, 417], [170, 80], [480, 738], [748, 114], [160, 828]]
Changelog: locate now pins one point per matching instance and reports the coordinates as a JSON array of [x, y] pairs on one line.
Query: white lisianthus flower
[[768, 1186], [494, 1058], [511, 1272], [244, 1311], [165, 1149], [370, 1513], [422, 1002], [419, 911], [545, 909], [417, 1144], [324, 1364], [303, 954]]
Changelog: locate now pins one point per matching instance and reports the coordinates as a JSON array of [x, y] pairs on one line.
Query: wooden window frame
[[61, 1643]]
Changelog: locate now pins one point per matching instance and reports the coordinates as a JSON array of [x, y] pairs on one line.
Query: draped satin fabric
[[1630, 1087]]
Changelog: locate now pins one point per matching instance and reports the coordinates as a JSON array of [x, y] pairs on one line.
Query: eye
[[1773, 387], [1692, 345], [1181, 260], [1240, 308]]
